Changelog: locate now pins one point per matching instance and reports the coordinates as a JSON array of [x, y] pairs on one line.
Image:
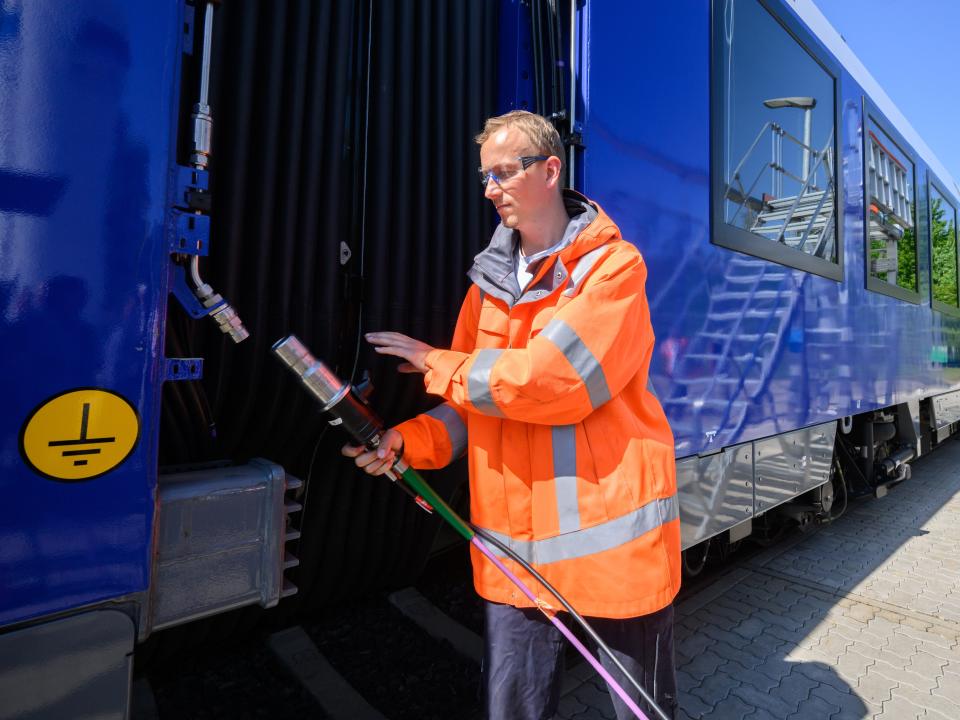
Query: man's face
[[528, 193]]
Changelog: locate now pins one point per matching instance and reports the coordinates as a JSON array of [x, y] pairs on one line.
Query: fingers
[[351, 450], [379, 461]]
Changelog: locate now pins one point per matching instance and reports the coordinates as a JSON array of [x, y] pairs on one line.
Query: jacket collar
[[495, 268]]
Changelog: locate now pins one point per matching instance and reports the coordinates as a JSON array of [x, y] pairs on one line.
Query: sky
[[912, 50]]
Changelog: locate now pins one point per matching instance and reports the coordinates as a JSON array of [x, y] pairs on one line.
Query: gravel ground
[[236, 681], [397, 667]]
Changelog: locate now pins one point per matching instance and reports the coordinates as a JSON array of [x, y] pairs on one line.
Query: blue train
[[306, 167]]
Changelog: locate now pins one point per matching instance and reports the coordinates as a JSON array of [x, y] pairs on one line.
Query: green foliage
[[944, 234], [907, 260]]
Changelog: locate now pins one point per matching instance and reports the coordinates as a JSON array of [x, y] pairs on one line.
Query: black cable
[[536, 46], [573, 613], [853, 462], [846, 495], [552, 59]]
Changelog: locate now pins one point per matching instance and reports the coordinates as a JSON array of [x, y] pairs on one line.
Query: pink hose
[[562, 628]]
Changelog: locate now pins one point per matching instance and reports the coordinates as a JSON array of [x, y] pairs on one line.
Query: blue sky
[[912, 50]]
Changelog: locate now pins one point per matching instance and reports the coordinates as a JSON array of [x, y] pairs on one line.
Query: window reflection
[[890, 194], [943, 234], [779, 127]]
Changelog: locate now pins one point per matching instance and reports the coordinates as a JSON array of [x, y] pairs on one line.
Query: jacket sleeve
[[437, 437], [585, 355]]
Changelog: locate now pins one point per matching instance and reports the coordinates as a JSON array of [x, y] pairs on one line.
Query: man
[[570, 455]]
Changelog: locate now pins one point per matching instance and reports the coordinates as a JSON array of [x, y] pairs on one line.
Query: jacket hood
[[495, 268]]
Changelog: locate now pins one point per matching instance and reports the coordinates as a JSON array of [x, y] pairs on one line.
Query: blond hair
[[537, 129]]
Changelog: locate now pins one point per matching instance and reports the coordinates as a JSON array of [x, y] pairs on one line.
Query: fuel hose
[[349, 409]]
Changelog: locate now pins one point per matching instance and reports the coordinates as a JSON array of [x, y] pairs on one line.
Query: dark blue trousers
[[523, 661]]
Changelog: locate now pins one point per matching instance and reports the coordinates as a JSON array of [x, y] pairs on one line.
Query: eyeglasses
[[501, 177]]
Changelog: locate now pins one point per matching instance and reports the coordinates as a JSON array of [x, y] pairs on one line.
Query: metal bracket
[[184, 369], [188, 24], [192, 188], [191, 233]]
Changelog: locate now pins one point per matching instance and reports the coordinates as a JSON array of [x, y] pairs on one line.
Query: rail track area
[[856, 619]]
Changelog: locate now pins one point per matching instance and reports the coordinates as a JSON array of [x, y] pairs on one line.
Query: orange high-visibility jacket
[[570, 454]]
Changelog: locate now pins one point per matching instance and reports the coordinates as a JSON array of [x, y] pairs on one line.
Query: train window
[[890, 210], [943, 239], [774, 123]]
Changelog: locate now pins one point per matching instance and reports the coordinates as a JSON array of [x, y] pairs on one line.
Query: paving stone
[[776, 667], [948, 688], [928, 701], [851, 667], [795, 688], [875, 686], [821, 673], [704, 665], [757, 679], [696, 644], [901, 710], [715, 634], [592, 697], [570, 705], [694, 706], [686, 681], [850, 704], [761, 714], [715, 688], [744, 657], [927, 664], [768, 701], [862, 613], [834, 645], [731, 708], [908, 678], [900, 645], [814, 707], [784, 621], [750, 629]]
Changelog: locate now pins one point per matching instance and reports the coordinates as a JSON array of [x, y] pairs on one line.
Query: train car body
[[800, 240]]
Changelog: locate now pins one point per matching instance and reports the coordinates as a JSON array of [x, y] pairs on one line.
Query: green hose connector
[[413, 479]]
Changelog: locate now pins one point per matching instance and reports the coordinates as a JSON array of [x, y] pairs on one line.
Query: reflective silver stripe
[[580, 357], [565, 476], [478, 382], [596, 539], [584, 265], [456, 430]]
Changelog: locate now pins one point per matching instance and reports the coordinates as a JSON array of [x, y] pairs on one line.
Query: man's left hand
[[393, 343]]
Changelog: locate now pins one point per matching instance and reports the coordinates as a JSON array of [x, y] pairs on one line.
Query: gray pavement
[[857, 619]]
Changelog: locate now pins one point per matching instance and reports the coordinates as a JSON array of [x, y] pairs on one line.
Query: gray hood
[[495, 268]]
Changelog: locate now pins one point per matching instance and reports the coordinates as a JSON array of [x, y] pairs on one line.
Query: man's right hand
[[376, 462]]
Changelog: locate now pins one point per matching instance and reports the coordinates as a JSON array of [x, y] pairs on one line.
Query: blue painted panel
[[86, 127], [824, 349]]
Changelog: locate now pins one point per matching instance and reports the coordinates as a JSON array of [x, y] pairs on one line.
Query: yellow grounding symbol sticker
[[79, 434]]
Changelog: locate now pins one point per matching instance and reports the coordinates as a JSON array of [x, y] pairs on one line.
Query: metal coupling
[[320, 380], [230, 323], [202, 135], [226, 317]]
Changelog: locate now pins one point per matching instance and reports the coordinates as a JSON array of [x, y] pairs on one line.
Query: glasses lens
[[485, 176]]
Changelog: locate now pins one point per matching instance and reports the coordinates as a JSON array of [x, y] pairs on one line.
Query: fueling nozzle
[[336, 397], [341, 400]]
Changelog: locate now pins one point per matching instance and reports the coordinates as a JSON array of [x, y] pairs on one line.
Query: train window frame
[[872, 112], [934, 182], [728, 236]]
